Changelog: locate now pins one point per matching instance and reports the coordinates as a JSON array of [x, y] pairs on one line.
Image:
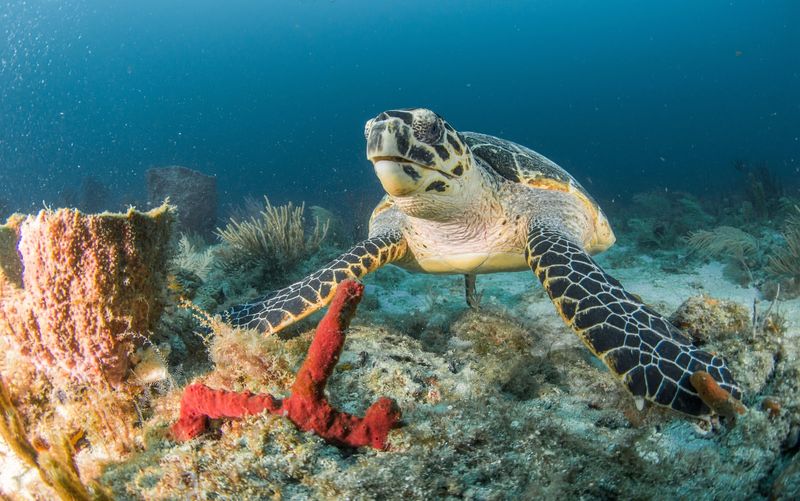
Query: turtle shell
[[523, 165]]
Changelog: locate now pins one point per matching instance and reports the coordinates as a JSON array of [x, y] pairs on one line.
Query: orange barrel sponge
[[92, 286]]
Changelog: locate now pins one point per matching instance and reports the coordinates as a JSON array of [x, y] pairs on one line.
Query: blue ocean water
[[271, 97]]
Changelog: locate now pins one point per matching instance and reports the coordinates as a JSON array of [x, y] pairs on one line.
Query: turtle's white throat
[[409, 186]]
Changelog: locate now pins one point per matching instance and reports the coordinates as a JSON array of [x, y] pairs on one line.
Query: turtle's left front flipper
[[652, 357], [283, 307]]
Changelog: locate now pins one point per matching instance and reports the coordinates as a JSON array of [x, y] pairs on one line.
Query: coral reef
[[307, 406], [262, 246], [496, 408], [193, 193], [89, 283], [498, 403]]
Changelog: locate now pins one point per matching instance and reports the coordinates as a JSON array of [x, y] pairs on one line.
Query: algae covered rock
[[724, 326], [707, 319], [495, 405]]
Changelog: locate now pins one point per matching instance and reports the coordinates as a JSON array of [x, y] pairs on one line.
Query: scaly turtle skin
[[470, 203]]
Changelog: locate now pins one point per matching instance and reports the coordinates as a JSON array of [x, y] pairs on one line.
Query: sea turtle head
[[420, 159]]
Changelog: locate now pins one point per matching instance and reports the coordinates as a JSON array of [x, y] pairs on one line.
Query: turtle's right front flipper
[[651, 356], [283, 307]]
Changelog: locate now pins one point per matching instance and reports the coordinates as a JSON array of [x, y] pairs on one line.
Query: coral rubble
[[307, 406]]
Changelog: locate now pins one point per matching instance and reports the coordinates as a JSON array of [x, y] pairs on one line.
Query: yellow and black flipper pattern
[[283, 307], [652, 357]]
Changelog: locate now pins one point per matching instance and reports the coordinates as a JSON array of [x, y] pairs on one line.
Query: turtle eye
[[431, 134]]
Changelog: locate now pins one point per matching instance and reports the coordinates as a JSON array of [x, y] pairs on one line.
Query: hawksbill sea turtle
[[469, 203]]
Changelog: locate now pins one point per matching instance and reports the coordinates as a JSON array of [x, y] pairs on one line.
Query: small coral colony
[[110, 344]]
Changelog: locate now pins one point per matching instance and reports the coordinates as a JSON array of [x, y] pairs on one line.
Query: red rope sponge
[[307, 406]]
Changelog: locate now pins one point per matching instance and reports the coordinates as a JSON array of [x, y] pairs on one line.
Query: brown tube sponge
[[92, 288]]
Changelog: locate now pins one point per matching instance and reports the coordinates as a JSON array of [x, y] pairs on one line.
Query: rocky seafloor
[[500, 403]]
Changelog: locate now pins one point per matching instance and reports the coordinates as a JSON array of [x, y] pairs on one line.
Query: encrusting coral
[[90, 284], [307, 406]]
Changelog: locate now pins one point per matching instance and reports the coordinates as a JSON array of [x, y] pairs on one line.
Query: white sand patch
[[521, 295]]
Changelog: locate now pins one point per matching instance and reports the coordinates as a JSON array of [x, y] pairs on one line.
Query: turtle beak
[[386, 142], [398, 179], [389, 138]]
